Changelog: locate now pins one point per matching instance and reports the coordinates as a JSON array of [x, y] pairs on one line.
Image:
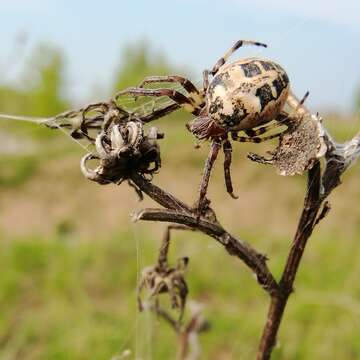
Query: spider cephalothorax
[[123, 149], [242, 96]]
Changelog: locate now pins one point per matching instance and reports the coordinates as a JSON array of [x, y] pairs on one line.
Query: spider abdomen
[[247, 93]]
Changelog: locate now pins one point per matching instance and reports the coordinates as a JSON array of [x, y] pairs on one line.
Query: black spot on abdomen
[[250, 69], [284, 78], [279, 85], [267, 65], [265, 95], [216, 106]]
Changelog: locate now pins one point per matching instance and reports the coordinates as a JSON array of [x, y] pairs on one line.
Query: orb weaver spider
[[245, 95]]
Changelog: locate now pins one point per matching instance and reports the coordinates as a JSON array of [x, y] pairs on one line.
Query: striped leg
[[236, 46], [297, 105], [263, 129], [194, 93], [254, 139], [178, 97], [227, 148], [205, 80], [214, 150]]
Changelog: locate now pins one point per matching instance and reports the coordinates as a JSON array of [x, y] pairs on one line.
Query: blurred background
[[70, 256]]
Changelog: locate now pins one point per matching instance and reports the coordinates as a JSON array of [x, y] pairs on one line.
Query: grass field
[[70, 257]]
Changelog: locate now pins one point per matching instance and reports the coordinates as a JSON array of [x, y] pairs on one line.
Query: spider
[[161, 278], [123, 149], [245, 95]]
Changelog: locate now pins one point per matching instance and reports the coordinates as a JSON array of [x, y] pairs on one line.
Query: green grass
[[63, 299], [16, 170]]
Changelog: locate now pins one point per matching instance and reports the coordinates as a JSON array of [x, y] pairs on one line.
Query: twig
[[254, 260], [187, 334], [338, 158], [304, 230], [160, 196]]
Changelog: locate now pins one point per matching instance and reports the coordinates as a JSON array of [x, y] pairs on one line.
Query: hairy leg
[[227, 148], [194, 93], [215, 146], [254, 139], [263, 129], [205, 80], [174, 95], [236, 46]]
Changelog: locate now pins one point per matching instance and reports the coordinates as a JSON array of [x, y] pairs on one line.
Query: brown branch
[[162, 197], [338, 158], [305, 227], [254, 260]]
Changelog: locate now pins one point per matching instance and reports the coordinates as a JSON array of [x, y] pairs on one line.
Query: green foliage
[[44, 79], [137, 62], [39, 92]]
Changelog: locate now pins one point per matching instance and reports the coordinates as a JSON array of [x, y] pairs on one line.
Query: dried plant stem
[[319, 186], [187, 334], [179, 213], [338, 158], [279, 299]]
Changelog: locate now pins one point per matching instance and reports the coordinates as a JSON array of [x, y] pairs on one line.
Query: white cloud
[[344, 12]]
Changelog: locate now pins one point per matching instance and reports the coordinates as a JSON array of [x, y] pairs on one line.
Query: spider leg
[[174, 95], [99, 107], [254, 139], [215, 146], [205, 80], [194, 93], [263, 129], [297, 105], [227, 148], [236, 46]]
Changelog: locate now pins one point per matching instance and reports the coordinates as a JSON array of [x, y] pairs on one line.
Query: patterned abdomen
[[247, 93]]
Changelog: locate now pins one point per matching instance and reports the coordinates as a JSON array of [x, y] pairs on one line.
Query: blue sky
[[317, 41]]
